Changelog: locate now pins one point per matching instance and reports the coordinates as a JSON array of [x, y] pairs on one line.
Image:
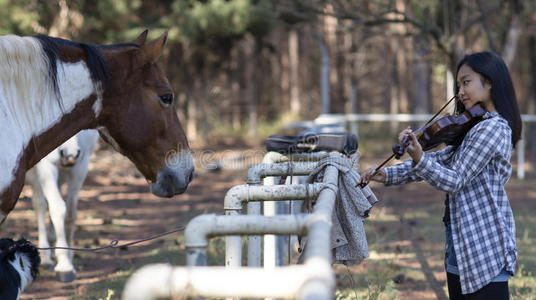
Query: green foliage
[[193, 22], [17, 17], [214, 21]]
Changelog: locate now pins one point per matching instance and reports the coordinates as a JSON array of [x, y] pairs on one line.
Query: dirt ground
[[404, 230]]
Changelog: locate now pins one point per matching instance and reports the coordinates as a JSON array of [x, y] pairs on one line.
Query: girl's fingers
[[404, 133], [414, 138]]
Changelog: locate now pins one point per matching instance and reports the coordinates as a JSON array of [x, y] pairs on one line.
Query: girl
[[480, 230]]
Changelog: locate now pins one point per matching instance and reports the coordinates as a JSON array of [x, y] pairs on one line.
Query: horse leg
[[48, 177], [39, 205], [87, 141], [78, 175]]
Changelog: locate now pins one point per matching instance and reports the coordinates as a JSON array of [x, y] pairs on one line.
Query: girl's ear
[[487, 84]]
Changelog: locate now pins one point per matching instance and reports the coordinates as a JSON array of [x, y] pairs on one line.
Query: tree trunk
[[350, 78], [250, 51], [293, 50], [394, 86], [453, 18], [532, 131], [324, 76], [191, 126], [236, 91], [421, 77], [308, 79], [348, 68], [331, 43], [235, 106], [512, 36]]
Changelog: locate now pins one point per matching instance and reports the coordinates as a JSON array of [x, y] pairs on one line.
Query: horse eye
[[167, 99]]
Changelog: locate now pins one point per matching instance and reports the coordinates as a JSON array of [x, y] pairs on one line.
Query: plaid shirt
[[474, 176]]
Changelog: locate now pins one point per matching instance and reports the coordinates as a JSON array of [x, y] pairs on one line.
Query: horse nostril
[[77, 154], [168, 178], [61, 153], [191, 176]]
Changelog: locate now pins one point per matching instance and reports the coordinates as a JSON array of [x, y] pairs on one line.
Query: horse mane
[[30, 74], [95, 62], [24, 67]]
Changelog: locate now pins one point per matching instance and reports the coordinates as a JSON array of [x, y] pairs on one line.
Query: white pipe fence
[[354, 119], [247, 194], [311, 281], [304, 166], [201, 228], [271, 254]]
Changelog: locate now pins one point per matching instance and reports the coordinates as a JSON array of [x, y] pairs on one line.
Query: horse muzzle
[[68, 159], [173, 179]]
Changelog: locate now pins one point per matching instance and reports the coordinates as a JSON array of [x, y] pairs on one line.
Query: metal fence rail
[[312, 280]]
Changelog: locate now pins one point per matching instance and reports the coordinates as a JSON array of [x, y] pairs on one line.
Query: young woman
[[481, 247]]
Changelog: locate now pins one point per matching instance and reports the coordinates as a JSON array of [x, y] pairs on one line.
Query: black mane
[[95, 62]]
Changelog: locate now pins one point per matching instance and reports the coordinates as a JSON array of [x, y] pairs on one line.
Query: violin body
[[449, 130]]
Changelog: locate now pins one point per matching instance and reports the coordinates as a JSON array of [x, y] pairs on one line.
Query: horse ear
[[140, 40], [153, 49]]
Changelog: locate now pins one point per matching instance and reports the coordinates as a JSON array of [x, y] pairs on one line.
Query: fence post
[[521, 158]]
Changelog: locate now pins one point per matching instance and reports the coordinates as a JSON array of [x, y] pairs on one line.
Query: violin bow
[[378, 168]]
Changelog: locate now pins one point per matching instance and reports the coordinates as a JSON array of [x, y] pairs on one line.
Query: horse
[[51, 88], [66, 164]]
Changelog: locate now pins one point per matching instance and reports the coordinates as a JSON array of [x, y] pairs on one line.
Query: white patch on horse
[[97, 106], [28, 103]]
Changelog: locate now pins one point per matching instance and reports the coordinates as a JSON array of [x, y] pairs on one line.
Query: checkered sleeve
[[400, 174], [480, 145], [403, 173]]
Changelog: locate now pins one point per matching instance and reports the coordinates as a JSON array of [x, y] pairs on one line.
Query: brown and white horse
[[52, 88]]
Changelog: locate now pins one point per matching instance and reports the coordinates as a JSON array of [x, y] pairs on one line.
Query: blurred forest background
[[241, 70], [240, 66]]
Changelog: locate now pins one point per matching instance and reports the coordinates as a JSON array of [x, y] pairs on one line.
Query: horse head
[[69, 152], [138, 116]]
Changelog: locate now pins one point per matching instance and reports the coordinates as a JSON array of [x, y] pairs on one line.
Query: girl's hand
[[366, 176], [414, 147]]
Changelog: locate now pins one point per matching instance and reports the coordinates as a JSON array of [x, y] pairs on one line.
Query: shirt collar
[[490, 114]]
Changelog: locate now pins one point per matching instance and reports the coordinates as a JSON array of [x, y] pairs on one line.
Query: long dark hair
[[492, 67]]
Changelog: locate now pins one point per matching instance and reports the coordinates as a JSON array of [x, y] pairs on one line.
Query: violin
[[448, 129]]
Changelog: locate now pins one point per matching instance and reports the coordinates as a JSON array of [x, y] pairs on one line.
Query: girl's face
[[473, 88]]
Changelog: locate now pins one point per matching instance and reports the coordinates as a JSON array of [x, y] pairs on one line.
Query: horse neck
[[40, 113], [70, 124], [36, 148]]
